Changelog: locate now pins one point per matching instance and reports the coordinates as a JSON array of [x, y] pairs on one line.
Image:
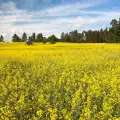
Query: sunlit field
[[63, 81]]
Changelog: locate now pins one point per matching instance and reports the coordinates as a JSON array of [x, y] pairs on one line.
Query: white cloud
[[3, 34], [10, 6], [13, 30], [64, 18]]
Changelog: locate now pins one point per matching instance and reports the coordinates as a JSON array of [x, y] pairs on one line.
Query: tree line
[[34, 38], [108, 35]]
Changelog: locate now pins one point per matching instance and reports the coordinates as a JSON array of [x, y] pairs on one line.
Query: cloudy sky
[[55, 16]]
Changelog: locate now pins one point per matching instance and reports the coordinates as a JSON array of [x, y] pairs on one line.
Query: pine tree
[[24, 37], [1, 38], [33, 37], [16, 38], [39, 38]]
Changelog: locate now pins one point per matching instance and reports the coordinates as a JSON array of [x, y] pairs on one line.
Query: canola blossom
[[65, 81]]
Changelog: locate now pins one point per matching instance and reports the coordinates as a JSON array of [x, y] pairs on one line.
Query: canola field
[[64, 81]]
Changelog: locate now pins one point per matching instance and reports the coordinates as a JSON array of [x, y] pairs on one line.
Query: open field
[[59, 82]]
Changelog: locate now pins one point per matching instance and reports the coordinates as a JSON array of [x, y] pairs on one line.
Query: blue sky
[[55, 16]]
